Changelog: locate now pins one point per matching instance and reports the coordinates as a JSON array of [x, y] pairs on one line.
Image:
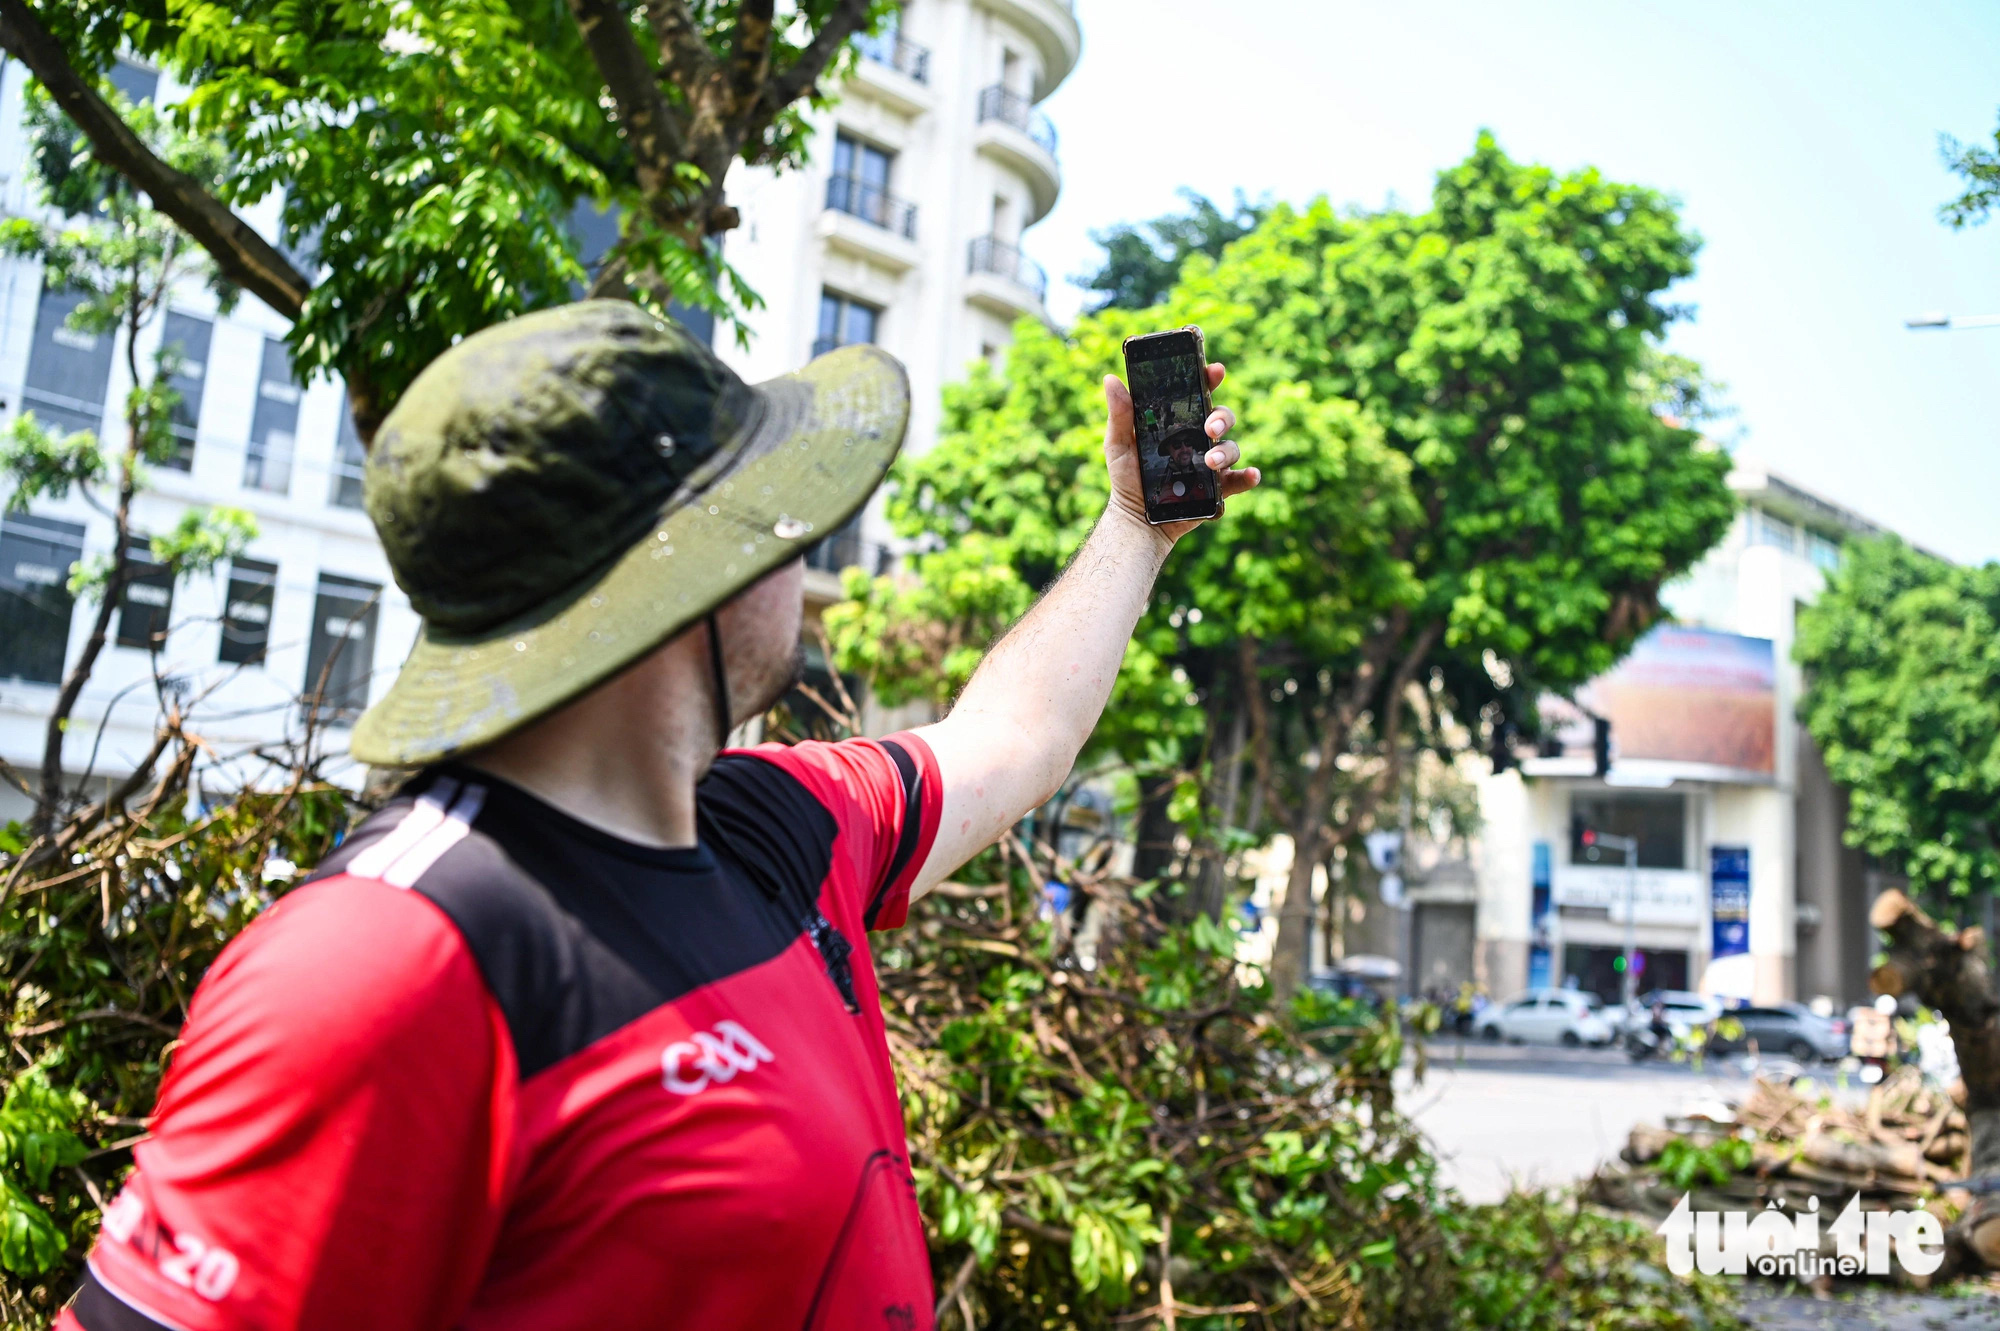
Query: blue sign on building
[[1729, 900], [1539, 971]]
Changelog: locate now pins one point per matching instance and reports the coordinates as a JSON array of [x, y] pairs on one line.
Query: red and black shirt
[[496, 1069]]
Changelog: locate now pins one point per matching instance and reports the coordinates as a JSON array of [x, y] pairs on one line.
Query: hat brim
[[824, 442]]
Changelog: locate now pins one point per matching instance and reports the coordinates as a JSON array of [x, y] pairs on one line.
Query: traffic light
[[1600, 744], [1581, 833]]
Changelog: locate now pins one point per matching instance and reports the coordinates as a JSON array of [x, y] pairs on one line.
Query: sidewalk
[[1869, 1310]]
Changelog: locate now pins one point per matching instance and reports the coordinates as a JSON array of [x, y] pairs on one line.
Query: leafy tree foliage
[[1978, 165], [1473, 495], [124, 260], [1902, 661], [1142, 260], [1151, 1137], [430, 157], [100, 949]]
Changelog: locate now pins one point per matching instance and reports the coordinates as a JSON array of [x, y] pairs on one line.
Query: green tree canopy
[[1902, 661], [430, 157], [1472, 492], [1142, 260]]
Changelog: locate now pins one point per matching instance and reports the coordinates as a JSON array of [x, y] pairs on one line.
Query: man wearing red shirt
[[581, 1029]]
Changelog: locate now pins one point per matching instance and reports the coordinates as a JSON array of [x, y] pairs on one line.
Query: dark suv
[[1784, 1028]]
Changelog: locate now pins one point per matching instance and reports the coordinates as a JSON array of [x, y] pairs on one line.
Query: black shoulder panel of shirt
[[578, 933]]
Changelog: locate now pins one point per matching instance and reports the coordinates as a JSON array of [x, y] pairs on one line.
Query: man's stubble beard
[[780, 679]]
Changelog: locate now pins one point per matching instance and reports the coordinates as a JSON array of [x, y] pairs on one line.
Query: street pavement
[[1547, 1116], [1544, 1115]]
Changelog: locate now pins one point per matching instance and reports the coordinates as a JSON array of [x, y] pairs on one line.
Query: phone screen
[[1168, 375]]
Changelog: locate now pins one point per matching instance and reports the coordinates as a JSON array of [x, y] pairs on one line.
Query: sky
[[1800, 139]]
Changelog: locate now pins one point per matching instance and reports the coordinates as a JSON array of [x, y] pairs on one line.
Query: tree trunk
[[1210, 890], [1947, 970], [1290, 966], [1153, 853]]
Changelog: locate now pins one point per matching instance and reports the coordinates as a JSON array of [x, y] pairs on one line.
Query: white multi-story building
[[905, 227], [1743, 886], [311, 599]]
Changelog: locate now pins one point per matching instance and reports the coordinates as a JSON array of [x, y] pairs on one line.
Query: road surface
[[1543, 1115], [1547, 1116]]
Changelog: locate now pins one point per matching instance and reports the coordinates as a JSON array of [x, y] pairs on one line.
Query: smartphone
[[1168, 375]]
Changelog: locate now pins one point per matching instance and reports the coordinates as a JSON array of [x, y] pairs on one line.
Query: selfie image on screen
[[1167, 418]]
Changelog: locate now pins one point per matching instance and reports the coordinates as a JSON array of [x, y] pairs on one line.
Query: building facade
[[905, 227], [1742, 887], [309, 607]]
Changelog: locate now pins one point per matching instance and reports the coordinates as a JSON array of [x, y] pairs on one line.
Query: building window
[[274, 426], [1657, 819], [187, 337], [859, 187], [146, 606], [1822, 552], [844, 321], [341, 655], [69, 372], [246, 614], [35, 559], [137, 83], [349, 462], [1775, 532]]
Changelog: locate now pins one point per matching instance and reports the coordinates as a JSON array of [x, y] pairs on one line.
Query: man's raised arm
[[1015, 731]]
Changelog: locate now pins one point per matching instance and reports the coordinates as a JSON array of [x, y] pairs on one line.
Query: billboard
[[1685, 695]]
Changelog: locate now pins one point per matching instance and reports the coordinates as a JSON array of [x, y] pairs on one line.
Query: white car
[[1547, 1016], [1685, 1011]]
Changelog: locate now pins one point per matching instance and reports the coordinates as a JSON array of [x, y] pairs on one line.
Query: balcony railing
[[898, 53], [1004, 104], [872, 204], [990, 254], [845, 549]]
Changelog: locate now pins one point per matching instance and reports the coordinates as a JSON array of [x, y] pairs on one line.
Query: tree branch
[[787, 87], [750, 50], [651, 125], [684, 53], [241, 255], [1260, 729]]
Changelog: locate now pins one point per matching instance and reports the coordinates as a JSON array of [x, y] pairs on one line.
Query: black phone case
[[1192, 509]]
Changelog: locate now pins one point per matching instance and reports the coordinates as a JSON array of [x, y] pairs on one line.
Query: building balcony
[[846, 549], [898, 53], [1020, 138], [872, 204], [1051, 26], [1004, 104], [1003, 280], [869, 223], [894, 71], [827, 560]]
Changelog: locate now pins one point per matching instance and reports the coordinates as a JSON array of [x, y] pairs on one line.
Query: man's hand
[[1121, 456], [1015, 731]]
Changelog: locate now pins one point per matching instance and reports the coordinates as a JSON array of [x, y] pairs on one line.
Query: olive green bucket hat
[[562, 493]]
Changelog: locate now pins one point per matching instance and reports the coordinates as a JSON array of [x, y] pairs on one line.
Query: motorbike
[[1645, 1043]]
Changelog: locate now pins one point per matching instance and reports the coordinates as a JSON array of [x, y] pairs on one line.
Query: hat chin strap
[[721, 677]]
